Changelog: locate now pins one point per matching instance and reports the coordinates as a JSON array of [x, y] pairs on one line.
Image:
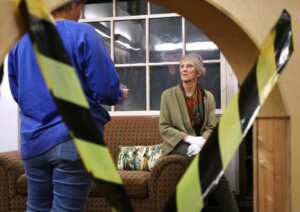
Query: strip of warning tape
[[63, 84], [207, 168], [1, 73]]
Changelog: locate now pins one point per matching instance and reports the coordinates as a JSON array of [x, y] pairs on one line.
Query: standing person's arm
[[99, 70]]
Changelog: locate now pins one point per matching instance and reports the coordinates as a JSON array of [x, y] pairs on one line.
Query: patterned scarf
[[196, 109]]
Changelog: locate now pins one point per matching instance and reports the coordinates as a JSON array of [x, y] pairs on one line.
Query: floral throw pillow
[[142, 158]]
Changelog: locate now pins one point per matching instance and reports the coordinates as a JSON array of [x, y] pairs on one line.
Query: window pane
[[165, 39], [161, 78], [212, 81], [97, 10], [130, 7], [156, 9], [197, 41], [134, 78], [130, 42], [103, 29]]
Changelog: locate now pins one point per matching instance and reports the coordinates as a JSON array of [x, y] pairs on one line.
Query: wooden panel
[[271, 165]]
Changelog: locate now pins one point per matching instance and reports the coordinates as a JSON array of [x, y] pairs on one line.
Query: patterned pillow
[[142, 158]]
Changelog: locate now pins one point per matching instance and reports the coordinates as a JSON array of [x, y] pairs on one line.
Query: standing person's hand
[[125, 95]]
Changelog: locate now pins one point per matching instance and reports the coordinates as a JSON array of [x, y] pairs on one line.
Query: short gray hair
[[198, 62]]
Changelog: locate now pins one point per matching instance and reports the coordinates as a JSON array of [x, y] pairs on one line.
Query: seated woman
[[187, 118]]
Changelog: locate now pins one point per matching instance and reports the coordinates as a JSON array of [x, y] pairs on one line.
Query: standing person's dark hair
[[187, 118], [57, 179]]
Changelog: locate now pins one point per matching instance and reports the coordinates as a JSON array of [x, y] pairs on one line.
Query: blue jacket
[[41, 125]]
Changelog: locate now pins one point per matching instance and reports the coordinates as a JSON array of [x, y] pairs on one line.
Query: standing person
[[57, 179], [187, 118]]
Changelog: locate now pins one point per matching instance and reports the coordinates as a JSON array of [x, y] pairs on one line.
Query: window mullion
[[112, 41], [147, 64], [114, 8], [183, 36]]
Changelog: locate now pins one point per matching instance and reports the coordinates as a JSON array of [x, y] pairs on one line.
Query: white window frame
[[228, 80]]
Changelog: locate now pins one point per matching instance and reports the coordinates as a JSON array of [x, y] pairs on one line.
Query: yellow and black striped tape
[[63, 84], [204, 172], [1, 73]]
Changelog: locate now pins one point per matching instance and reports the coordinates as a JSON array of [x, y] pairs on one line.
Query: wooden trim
[[271, 165]]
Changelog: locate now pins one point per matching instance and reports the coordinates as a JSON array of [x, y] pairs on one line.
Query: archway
[[241, 50]]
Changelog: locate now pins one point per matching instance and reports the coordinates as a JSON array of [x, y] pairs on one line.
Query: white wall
[[9, 136], [231, 87]]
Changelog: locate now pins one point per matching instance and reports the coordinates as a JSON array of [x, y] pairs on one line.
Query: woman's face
[[188, 72]]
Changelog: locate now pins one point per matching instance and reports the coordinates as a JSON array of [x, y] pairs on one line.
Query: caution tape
[[71, 102], [206, 169], [1, 73]]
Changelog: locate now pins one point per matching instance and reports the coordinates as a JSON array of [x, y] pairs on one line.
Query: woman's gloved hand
[[198, 140], [196, 144], [193, 149]]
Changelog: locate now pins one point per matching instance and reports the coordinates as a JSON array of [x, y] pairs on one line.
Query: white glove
[[199, 140], [193, 149]]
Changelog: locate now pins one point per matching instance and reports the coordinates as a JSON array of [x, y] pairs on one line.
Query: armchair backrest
[[131, 131]]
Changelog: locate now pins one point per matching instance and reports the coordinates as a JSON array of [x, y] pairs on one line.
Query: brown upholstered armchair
[[148, 191]]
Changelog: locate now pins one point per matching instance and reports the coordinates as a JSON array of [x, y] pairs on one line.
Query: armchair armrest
[[10, 169], [164, 177]]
